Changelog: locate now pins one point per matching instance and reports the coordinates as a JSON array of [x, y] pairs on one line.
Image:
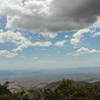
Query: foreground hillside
[[65, 90]]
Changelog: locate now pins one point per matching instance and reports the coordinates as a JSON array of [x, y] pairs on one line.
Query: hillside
[[61, 90]]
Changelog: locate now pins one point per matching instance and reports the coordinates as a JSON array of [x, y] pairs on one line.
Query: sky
[[43, 34]]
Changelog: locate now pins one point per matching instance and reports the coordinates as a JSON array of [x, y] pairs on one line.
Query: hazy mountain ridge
[[20, 79]]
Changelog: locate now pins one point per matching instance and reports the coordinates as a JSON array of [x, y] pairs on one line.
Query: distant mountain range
[[87, 74], [17, 87]]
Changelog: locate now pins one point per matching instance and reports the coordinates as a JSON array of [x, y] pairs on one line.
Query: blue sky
[[41, 41]]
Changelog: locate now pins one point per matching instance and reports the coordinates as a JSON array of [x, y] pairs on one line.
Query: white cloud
[[47, 43], [27, 44], [96, 34], [50, 15], [47, 17], [78, 35], [29, 16], [20, 41], [14, 37], [7, 53], [60, 43], [97, 23], [49, 35], [83, 50], [66, 36]]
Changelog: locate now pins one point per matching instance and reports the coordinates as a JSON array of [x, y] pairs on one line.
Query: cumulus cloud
[[27, 44], [83, 50], [20, 41], [14, 37], [66, 36], [50, 15], [78, 35], [7, 53], [47, 17], [60, 43], [96, 34], [97, 23], [49, 35]]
